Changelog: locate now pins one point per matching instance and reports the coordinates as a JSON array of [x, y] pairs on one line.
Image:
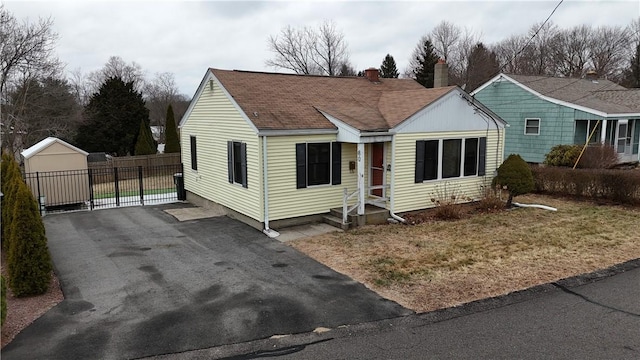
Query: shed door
[[377, 169]]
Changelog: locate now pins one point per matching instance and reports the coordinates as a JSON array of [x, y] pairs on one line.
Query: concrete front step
[[335, 222], [372, 215]]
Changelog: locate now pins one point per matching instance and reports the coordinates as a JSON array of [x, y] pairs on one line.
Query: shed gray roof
[[601, 95]]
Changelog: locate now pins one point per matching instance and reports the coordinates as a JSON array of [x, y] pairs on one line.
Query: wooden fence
[[164, 163]]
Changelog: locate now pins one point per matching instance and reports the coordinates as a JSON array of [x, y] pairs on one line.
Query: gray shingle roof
[[601, 95]]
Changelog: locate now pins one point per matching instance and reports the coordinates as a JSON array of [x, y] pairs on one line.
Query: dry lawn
[[439, 264], [149, 183]]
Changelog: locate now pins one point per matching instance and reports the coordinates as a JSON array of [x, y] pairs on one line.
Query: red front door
[[377, 168]]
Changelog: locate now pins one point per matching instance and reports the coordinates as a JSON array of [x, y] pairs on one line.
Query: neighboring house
[[545, 111], [280, 149]]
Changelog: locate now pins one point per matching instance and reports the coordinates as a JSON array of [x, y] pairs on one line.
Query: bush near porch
[[619, 186]]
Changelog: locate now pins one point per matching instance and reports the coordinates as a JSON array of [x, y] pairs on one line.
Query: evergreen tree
[[29, 263], [388, 68], [424, 62], [11, 177], [482, 66], [172, 144], [145, 145], [515, 174], [113, 117]]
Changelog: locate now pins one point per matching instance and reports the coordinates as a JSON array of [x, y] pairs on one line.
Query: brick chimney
[[441, 74], [591, 75], [372, 74]]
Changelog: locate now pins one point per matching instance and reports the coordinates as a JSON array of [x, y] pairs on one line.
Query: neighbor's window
[[194, 157], [448, 158], [318, 164], [237, 162], [532, 126]]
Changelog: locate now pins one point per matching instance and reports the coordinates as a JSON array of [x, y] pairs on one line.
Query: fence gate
[[104, 187]]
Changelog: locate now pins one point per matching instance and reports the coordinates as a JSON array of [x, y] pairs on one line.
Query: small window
[[194, 157], [237, 162], [532, 126]]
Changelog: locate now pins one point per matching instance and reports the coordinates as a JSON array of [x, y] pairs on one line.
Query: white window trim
[[539, 126]]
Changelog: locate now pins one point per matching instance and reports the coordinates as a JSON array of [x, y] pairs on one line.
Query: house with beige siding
[[280, 149]]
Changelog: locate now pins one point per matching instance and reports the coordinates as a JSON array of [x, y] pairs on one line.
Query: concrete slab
[[195, 213], [303, 231]]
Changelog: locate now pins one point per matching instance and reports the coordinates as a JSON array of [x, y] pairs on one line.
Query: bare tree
[[608, 50], [116, 67], [159, 93], [306, 51], [571, 51], [26, 54], [445, 38]]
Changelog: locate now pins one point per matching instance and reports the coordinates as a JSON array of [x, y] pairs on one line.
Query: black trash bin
[[178, 179]]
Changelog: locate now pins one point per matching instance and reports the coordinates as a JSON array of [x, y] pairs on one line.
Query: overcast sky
[[187, 37]]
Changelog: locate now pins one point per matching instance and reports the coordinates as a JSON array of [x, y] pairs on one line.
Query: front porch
[[622, 134]]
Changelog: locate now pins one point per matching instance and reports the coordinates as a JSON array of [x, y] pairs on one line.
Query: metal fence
[[104, 187]]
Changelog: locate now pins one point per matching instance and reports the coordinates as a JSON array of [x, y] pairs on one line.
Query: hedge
[[620, 186]]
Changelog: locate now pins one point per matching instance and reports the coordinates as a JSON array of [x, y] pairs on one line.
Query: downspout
[[393, 181], [269, 232]]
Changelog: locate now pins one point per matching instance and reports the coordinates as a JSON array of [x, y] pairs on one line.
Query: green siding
[[514, 104]]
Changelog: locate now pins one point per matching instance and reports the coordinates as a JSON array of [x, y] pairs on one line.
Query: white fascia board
[[294, 132], [495, 78], [346, 133], [211, 77]]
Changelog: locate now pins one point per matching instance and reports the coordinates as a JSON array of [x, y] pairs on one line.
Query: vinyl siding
[[214, 121], [410, 196], [285, 200], [514, 105]]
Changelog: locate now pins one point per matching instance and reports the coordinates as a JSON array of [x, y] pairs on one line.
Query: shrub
[[11, 177], [172, 142], [447, 199], [563, 155], [515, 176], [490, 200], [3, 301], [29, 263], [621, 186], [598, 157]]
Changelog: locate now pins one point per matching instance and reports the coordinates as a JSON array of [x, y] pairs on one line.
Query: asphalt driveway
[[137, 283]]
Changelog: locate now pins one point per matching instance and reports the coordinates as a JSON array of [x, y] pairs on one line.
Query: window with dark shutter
[[482, 156], [419, 175], [237, 162], [318, 163], [301, 166], [194, 156], [336, 163]]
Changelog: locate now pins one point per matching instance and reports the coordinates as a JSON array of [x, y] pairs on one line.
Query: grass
[[161, 184], [439, 264]]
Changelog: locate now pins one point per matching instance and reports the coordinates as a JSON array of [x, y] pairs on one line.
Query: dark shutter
[[230, 160], [194, 156], [482, 156], [301, 166], [243, 159], [419, 161], [336, 163]]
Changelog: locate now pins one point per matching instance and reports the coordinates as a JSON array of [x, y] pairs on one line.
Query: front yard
[[439, 264]]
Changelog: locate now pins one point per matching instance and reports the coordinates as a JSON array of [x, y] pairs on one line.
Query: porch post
[[603, 132], [361, 187]]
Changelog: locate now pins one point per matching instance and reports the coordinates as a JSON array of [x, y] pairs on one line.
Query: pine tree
[[632, 74], [515, 174], [29, 263], [11, 178], [482, 66], [424, 62], [113, 116], [388, 68], [172, 143], [145, 145]]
